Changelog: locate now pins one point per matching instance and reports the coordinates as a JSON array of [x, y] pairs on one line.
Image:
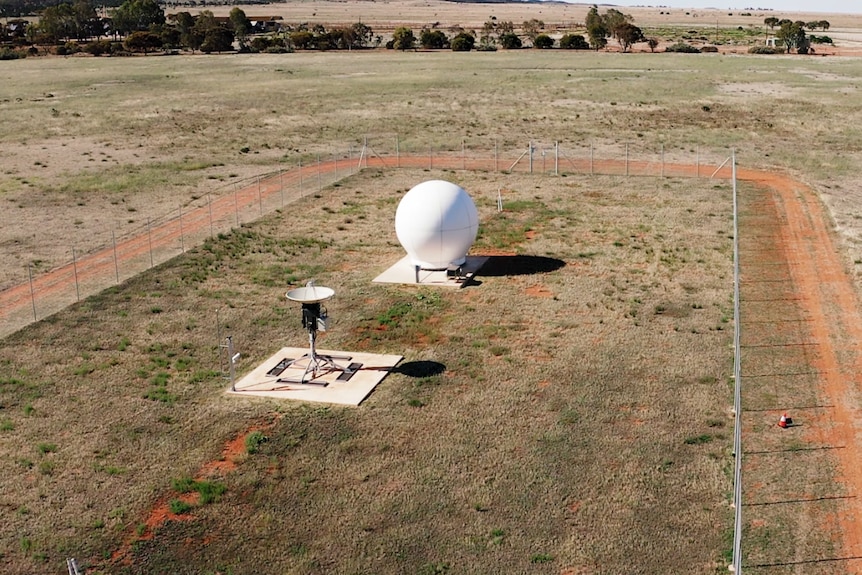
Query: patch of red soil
[[538, 291], [161, 512]]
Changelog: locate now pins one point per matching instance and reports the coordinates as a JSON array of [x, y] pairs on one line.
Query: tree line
[[142, 26]]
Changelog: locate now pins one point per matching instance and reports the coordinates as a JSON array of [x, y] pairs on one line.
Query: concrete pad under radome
[[264, 381], [404, 272]]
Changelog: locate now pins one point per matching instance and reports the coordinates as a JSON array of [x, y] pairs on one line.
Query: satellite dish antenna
[[310, 294], [314, 319]]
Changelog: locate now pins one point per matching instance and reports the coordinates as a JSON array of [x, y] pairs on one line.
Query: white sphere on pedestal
[[436, 223]]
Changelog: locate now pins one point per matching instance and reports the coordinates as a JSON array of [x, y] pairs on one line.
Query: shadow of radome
[[519, 265]]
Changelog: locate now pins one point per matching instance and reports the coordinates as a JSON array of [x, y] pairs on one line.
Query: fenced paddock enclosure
[[163, 236], [609, 452]]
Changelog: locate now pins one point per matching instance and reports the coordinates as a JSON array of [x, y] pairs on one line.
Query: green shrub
[[463, 42], [10, 54], [709, 49], [765, 50], [210, 491], [543, 42], [682, 47], [253, 441], [183, 484], [510, 41], [99, 47], [574, 42], [179, 507]]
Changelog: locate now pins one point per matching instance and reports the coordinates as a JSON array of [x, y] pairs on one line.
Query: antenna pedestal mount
[[314, 319]]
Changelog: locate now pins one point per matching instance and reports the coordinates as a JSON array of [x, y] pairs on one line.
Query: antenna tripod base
[[316, 365]]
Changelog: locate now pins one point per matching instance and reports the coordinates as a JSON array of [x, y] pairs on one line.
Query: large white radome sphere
[[436, 222]]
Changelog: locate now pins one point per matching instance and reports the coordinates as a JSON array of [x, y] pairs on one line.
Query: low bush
[[574, 42], [99, 47], [10, 54], [682, 47], [709, 49], [543, 42], [765, 50]]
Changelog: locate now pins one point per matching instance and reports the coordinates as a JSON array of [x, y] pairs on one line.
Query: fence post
[[736, 566], [116, 262], [496, 158], [627, 158], [236, 204], [697, 160], [150, 240], [75, 269], [530, 149], [557, 158], [32, 293]]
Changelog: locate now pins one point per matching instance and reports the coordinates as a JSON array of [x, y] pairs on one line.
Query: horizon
[[822, 7]]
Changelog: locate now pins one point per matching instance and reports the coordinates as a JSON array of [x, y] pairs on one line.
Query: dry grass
[[567, 429], [94, 145]]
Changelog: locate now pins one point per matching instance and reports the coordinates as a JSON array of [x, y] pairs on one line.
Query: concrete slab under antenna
[[404, 272], [350, 392]]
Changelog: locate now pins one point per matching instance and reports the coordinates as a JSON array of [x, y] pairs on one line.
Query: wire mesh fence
[[126, 253]]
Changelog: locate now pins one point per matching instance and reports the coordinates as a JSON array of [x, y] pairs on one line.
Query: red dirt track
[[830, 303], [827, 292]]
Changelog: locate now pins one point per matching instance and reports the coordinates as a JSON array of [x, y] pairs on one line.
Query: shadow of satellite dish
[[419, 368], [520, 265]]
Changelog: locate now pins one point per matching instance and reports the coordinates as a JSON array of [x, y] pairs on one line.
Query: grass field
[[572, 421], [566, 429]]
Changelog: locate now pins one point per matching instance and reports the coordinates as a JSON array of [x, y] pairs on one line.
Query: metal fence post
[[737, 393], [75, 269], [32, 293], [116, 261], [150, 240], [627, 158]]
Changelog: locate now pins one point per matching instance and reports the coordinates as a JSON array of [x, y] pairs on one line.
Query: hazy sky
[[845, 6]]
